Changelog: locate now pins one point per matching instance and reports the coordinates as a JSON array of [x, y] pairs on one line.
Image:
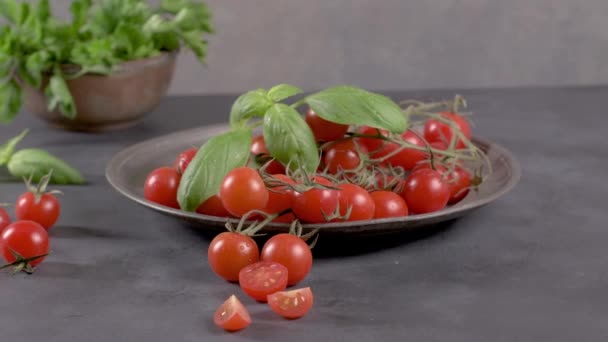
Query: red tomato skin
[[309, 206], [280, 198], [232, 315], [425, 191], [388, 204], [322, 129], [183, 160], [290, 251], [435, 130], [258, 147], [243, 190], [229, 252], [5, 219], [459, 180], [342, 155], [45, 211], [284, 303], [406, 157], [359, 200], [372, 145], [27, 238], [260, 292], [161, 187], [213, 206]]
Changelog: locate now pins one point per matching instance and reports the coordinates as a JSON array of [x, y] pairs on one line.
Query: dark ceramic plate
[[127, 171]]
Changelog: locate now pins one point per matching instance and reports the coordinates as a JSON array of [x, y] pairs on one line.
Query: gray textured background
[[400, 44]]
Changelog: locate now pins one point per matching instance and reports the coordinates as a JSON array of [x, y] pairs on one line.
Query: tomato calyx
[[22, 264], [296, 229], [41, 188]]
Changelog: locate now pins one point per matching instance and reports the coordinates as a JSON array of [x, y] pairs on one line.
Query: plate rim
[[207, 130]]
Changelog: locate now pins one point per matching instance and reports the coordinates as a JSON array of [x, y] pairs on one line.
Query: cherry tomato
[[161, 186], [213, 206], [388, 204], [280, 198], [232, 315], [5, 219], [322, 129], [459, 180], [258, 148], [425, 191], [229, 252], [290, 251], [44, 210], [243, 190], [435, 130], [28, 239], [385, 181], [406, 157], [183, 159], [292, 304], [314, 204], [342, 155], [359, 201], [262, 279], [371, 144]]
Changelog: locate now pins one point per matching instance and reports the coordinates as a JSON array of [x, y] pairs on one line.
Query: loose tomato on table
[[242, 191], [388, 204], [230, 252], [38, 204], [262, 279], [292, 304], [436, 130], [316, 204], [358, 201], [183, 159], [232, 315], [161, 186], [425, 191], [24, 245], [322, 129], [290, 251]]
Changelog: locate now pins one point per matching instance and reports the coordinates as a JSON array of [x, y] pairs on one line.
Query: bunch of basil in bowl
[[105, 68]]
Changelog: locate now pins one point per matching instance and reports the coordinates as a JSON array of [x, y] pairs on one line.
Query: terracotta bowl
[[117, 100]]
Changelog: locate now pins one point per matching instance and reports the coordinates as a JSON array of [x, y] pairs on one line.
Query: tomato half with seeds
[[290, 251], [316, 204], [358, 201], [292, 304], [388, 204], [322, 129], [436, 130], [230, 252], [243, 190], [161, 186], [232, 315], [262, 279], [183, 159], [26, 239]]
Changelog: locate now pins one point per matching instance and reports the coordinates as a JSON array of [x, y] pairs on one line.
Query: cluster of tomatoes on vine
[[24, 243]]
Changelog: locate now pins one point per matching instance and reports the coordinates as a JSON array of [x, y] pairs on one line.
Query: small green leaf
[[254, 103], [196, 43], [79, 10], [157, 24], [37, 163], [282, 91], [35, 64], [60, 97], [349, 105], [289, 139], [218, 156], [8, 148], [174, 6], [10, 10], [11, 99], [43, 10]]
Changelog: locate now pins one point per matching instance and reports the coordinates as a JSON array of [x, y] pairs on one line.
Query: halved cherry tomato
[[290, 251], [388, 204], [425, 191], [315, 204], [342, 155], [322, 129], [232, 315], [213, 206], [230, 252], [435, 130], [243, 190], [359, 202], [292, 304], [183, 159], [262, 279], [161, 186]]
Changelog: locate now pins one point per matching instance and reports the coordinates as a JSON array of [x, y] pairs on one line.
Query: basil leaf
[[8, 148], [282, 91], [35, 64], [10, 10], [196, 43], [11, 96], [254, 103], [173, 6], [289, 139], [43, 10], [349, 105], [218, 156], [60, 97], [37, 163], [79, 10]]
